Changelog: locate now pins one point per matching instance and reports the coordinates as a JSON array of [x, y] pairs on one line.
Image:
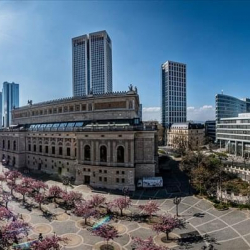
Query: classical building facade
[[191, 135], [97, 139]]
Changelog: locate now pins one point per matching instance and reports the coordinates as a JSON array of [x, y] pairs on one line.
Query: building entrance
[[86, 179]]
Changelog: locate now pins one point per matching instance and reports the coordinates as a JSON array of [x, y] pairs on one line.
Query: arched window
[[8, 144], [87, 153], [14, 145], [103, 154], [120, 154], [3, 143]]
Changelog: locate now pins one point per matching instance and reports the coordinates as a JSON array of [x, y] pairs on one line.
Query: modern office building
[[229, 106], [210, 129], [10, 101], [174, 100], [97, 140], [234, 134], [190, 135], [92, 64]]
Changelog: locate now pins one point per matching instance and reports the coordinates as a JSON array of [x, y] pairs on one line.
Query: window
[[120, 154], [60, 150], [29, 147], [46, 149], [87, 153], [103, 154], [34, 148], [105, 179], [123, 172], [14, 145], [68, 151], [105, 171], [117, 172], [117, 180], [123, 180], [8, 144], [100, 178], [67, 169], [100, 171], [3, 143], [40, 148], [53, 150]]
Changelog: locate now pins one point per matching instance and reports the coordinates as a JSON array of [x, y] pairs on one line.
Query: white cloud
[[203, 113]]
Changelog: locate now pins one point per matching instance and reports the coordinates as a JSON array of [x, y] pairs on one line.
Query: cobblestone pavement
[[228, 229]]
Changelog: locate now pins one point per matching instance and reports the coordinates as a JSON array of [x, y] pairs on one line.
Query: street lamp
[[177, 201]]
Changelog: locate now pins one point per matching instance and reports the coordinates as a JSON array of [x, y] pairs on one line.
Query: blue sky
[[211, 37]]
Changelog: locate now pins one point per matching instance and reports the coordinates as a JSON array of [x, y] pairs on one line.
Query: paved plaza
[[228, 229]]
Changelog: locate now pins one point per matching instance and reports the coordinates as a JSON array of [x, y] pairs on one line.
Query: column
[[126, 158], [97, 157], [235, 148], [132, 152], [242, 149], [108, 153], [80, 151], [114, 152], [92, 151]]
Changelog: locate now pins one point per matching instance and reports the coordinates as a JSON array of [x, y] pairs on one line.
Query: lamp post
[[177, 201]]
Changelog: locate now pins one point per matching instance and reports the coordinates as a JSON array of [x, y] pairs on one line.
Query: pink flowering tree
[[97, 200], [107, 232], [71, 197], [55, 192], [39, 186], [167, 224], [49, 242], [23, 190], [5, 198], [84, 210], [5, 213], [13, 232], [150, 208], [122, 203], [40, 198], [11, 177], [147, 244]]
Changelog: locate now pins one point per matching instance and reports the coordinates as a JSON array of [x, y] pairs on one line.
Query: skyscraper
[[92, 64], [1, 120], [10, 100], [174, 100]]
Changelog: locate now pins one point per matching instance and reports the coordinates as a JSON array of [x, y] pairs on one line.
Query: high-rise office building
[[229, 106], [92, 64], [174, 100], [10, 100]]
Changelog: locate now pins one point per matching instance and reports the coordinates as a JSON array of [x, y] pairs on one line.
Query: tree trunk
[[167, 234], [85, 220], [121, 212]]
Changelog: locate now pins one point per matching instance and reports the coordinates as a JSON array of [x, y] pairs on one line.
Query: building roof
[[187, 125]]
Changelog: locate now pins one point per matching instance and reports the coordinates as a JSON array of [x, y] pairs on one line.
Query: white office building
[[174, 100], [92, 64], [234, 134]]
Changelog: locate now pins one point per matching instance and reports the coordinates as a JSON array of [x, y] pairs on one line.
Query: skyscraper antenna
[[222, 91]]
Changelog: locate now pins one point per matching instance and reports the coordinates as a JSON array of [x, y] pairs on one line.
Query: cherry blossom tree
[[122, 203], [55, 192], [49, 243], [40, 199], [97, 200], [85, 210], [150, 208], [167, 224], [71, 197], [23, 190], [5, 213], [39, 185], [107, 232], [147, 244], [5, 198], [11, 177], [13, 232]]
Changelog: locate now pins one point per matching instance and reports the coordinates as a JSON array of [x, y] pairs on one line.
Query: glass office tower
[[10, 100], [174, 100], [92, 64]]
